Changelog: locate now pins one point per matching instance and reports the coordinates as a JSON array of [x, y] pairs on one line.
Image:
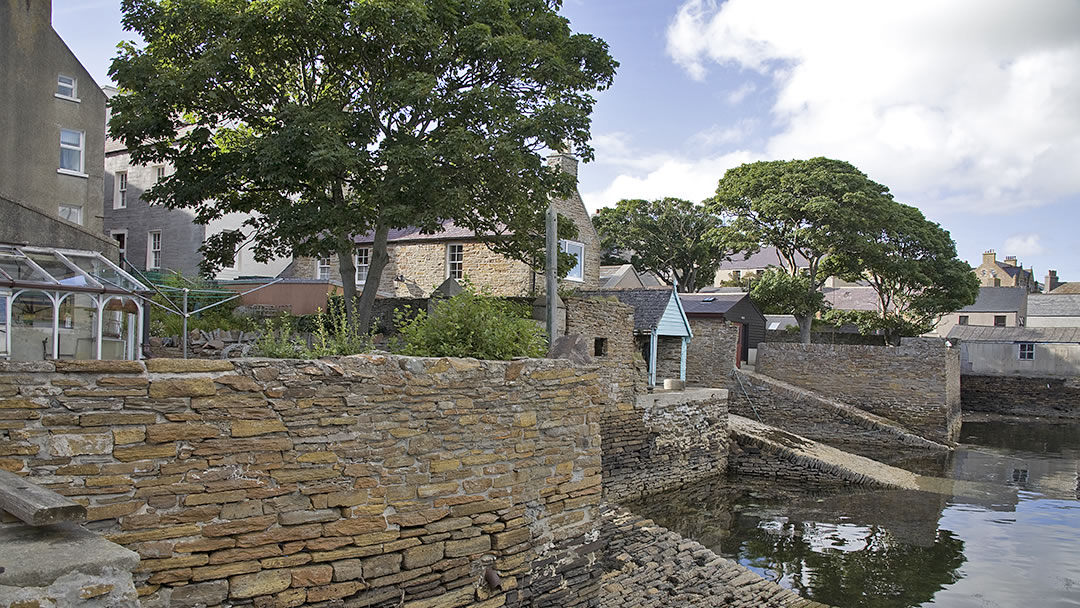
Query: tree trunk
[[379, 259], [805, 322], [347, 270]]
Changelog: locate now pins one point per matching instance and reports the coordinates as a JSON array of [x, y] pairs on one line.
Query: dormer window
[[67, 87]]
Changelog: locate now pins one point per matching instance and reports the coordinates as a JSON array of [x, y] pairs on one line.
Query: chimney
[[564, 161], [1052, 281], [31, 15], [989, 257], [1010, 260]]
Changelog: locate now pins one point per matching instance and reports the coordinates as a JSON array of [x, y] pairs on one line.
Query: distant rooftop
[[976, 333], [998, 299]]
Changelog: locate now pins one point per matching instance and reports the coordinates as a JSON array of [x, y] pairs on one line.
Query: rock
[[573, 347]]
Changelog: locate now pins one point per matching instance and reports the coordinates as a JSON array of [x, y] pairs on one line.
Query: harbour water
[[1015, 541]]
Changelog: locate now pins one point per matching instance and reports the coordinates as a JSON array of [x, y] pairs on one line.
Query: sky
[[967, 109]]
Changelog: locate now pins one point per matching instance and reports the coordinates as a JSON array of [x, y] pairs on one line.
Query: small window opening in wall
[[999, 320], [963, 320], [599, 347], [1027, 351]]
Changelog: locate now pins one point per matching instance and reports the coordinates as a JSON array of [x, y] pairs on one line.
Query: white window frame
[[70, 208], [80, 149], [120, 231], [577, 273], [159, 173], [322, 269], [455, 260], [153, 250], [362, 261], [120, 191], [74, 88], [1026, 351]]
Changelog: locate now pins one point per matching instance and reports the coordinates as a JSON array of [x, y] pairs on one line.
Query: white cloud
[[720, 135], [738, 95], [969, 104], [1024, 245]]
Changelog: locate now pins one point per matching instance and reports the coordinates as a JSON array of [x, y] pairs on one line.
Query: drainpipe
[[652, 358], [682, 360]]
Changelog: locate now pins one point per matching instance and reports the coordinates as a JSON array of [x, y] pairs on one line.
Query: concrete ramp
[[762, 450]]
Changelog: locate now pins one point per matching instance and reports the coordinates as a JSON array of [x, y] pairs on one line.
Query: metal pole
[[550, 268], [185, 321]]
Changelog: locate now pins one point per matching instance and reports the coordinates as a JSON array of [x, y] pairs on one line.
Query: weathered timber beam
[[36, 505]]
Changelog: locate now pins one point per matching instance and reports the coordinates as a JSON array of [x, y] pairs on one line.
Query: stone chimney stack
[[1010, 260], [1052, 281], [989, 257], [565, 161], [30, 15]]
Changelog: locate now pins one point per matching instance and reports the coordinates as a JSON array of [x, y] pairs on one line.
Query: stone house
[[1007, 273], [52, 132], [419, 262], [708, 310], [157, 239], [994, 307]]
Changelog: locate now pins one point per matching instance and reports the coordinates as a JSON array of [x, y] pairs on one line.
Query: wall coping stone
[[35, 556]]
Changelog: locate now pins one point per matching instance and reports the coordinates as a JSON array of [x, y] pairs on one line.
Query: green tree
[[678, 240], [778, 293], [327, 119], [813, 208], [911, 263]]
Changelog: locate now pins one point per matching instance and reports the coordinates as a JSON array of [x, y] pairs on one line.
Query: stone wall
[[916, 384], [668, 358], [608, 326], [711, 354], [1017, 396], [824, 337], [381, 480], [816, 417]]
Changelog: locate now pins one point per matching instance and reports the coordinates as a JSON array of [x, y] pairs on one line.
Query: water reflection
[[1015, 542]]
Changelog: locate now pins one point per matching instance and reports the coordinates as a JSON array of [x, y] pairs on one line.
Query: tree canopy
[[678, 240], [813, 208], [327, 119]]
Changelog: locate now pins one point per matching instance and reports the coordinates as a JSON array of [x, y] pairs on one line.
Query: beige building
[[1007, 273], [52, 136], [419, 263], [995, 307]]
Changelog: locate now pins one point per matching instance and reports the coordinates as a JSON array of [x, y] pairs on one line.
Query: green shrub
[[471, 324], [329, 336]]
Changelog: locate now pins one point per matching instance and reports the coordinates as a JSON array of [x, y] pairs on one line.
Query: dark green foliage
[[472, 324], [327, 335], [678, 240], [778, 293]]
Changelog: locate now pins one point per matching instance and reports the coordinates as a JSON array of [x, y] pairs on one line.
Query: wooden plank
[[36, 505]]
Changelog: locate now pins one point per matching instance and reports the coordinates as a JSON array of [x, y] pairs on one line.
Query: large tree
[[911, 263], [675, 238], [327, 119], [813, 208]]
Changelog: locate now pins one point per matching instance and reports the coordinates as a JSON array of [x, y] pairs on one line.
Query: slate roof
[[1067, 288], [976, 333], [449, 232], [709, 303], [998, 299], [648, 304], [1053, 305], [611, 276], [851, 298], [764, 258], [781, 321]]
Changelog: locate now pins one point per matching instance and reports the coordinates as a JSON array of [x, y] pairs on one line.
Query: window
[[997, 282], [1027, 351], [576, 249], [999, 320], [120, 196], [67, 87], [153, 250], [963, 320], [159, 173], [120, 236], [71, 213], [71, 151], [363, 262], [323, 272], [599, 347], [455, 261], [736, 275]]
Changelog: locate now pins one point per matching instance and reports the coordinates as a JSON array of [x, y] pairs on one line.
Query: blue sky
[[968, 109]]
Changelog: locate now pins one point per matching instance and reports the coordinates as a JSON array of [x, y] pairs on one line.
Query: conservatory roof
[[51, 269]]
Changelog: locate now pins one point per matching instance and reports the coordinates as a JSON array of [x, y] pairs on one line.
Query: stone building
[[707, 313], [419, 262], [1007, 273], [52, 132], [155, 238]]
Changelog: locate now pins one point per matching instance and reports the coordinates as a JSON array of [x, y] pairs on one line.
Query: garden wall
[[711, 354], [916, 384], [381, 480], [1021, 396]]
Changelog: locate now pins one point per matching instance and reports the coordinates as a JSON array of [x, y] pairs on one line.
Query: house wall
[[246, 264], [916, 384], [982, 319], [32, 55], [1033, 321], [668, 358], [710, 356], [380, 479], [1003, 359]]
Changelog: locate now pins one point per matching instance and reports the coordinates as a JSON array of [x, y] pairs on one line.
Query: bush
[[329, 336], [471, 324]]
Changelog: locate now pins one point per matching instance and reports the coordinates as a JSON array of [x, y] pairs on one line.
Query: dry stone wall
[[1018, 396], [377, 480], [916, 384], [710, 357]]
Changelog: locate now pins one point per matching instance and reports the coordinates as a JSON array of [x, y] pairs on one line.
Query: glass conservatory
[[67, 304]]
